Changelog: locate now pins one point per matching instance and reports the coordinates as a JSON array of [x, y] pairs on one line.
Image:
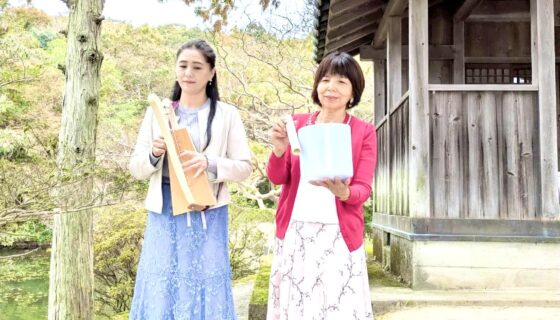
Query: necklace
[[313, 118]]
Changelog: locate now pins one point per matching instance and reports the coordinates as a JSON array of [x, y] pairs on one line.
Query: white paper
[[292, 135]]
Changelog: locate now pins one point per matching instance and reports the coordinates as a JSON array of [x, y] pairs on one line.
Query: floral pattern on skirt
[[184, 271], [315, 276]]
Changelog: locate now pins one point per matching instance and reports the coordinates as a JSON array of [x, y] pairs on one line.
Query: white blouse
[[314, 204]]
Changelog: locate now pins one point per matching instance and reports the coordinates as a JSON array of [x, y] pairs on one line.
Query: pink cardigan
[[285, 171]]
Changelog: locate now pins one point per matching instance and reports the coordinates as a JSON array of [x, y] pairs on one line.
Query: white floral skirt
[[315, 276]]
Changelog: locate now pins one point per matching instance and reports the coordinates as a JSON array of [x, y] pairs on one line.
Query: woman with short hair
[[319, 266]]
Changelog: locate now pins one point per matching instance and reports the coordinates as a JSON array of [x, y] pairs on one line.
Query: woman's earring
[[210, 82]]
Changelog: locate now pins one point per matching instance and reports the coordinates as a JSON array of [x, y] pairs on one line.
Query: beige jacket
[[228, 146]]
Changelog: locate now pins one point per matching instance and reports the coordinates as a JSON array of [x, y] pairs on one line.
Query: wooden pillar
[[378, 90], [459, 55], [545, 57], [419, 124], [534, 49], [394, 61]]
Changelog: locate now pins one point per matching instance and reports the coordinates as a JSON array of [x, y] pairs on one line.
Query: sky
[[155, 13]]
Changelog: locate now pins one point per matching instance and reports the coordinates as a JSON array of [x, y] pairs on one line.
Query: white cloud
[[135, 12], [152, 12], [155, 13]]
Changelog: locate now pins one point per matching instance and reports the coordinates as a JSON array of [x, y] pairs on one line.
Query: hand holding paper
[[292, 135]]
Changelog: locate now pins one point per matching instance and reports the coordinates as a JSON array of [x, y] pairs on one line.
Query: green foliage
[[26, 18], [381, 278], [247, 240], [364, 110], [139, 62], [22, 59], [120, 316], [368, 216], [25, 186], [260, 288], [56, 51], [123, 114], [34, 231], [174, 35], [118, 236], [44, 37], [13, 145], [9, 111], [256, 31]]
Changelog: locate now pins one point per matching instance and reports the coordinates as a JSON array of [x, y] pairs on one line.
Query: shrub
[[118, 236], [13, 145]]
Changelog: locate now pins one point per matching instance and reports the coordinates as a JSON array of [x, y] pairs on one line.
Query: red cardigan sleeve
[[278, 168], [360, 186]]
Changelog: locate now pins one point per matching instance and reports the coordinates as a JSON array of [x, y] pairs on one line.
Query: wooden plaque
[[187, 193]]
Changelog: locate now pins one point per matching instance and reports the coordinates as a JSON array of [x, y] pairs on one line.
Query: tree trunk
[[71, 270]]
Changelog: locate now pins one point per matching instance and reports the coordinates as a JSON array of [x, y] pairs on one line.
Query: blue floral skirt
[[184, 271]]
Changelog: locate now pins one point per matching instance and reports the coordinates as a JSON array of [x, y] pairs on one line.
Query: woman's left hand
[[195, 160], [338, 187]]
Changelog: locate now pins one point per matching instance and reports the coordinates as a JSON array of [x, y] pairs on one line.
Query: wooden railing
[[391, 182]]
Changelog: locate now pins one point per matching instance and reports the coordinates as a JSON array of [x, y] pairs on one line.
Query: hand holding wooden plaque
[[188, 193]]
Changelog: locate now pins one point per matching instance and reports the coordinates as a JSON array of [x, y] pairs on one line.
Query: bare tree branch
[[19, 255]]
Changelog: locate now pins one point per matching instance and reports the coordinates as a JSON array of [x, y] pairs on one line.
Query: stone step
[[386, 299], [473, 312]]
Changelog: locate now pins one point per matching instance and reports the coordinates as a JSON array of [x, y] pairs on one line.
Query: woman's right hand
[[279, 138], [158, 147]]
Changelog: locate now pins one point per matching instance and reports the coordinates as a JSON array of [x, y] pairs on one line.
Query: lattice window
[[492, 73]]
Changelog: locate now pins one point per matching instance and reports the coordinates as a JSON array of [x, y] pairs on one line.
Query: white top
[[229, 146], [314, 204]]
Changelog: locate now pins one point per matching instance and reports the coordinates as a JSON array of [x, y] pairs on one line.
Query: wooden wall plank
[[489, 139], [473, 108], [511, 134], [381, 172], [501, 153], [455, 147], [438, 135], [406, 141], [527, 143], [392, 164], [398, 124]]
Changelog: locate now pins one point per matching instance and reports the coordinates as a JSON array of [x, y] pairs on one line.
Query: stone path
[[242, 296]]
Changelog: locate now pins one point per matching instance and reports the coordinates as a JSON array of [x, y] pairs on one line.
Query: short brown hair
[[344, 65]]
